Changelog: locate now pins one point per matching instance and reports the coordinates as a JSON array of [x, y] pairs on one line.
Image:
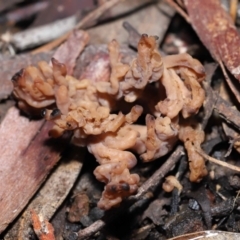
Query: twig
[[232, 142], [19, 14], [216, 161], [229, 82], [149, 185], [180, 3], [211, 98], [226, 111], [92, 229], [233, 9], [155, 179], [40, 35], [235, 199], [133, 35], [87, 21], [179, 10]]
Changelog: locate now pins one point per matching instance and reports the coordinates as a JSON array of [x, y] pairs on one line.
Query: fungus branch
[[91, 111]]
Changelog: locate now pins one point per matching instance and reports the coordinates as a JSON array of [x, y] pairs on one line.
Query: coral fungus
[[192, 138], [92, 110]]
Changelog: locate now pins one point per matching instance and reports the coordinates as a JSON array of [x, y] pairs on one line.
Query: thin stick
[[151, 183], [233, 9], [232, 142], [229, 82], [227, 111], [180, 3], [92, 229], [179, 10], [216, 161], [87, 21], [155, 179]]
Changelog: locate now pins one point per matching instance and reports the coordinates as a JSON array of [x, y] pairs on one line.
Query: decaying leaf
[[218, 33], [51, 195], [27, 156], [70, 50]]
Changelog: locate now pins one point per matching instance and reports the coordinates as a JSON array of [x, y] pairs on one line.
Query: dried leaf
[[218, 33], [68, 52], [27, 156], [51, 195], [156, 211], [94, 62]]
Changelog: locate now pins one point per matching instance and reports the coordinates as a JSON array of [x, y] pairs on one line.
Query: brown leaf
[[94, 62], [27, 156], [217, 31], [69, 51], [51, 195], [98, 69], [79, 207], [156, 212]]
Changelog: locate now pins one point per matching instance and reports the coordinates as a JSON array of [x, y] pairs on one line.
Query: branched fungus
[[91, 110]]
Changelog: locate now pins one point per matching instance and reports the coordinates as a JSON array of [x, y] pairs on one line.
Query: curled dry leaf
[[155, 211]]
